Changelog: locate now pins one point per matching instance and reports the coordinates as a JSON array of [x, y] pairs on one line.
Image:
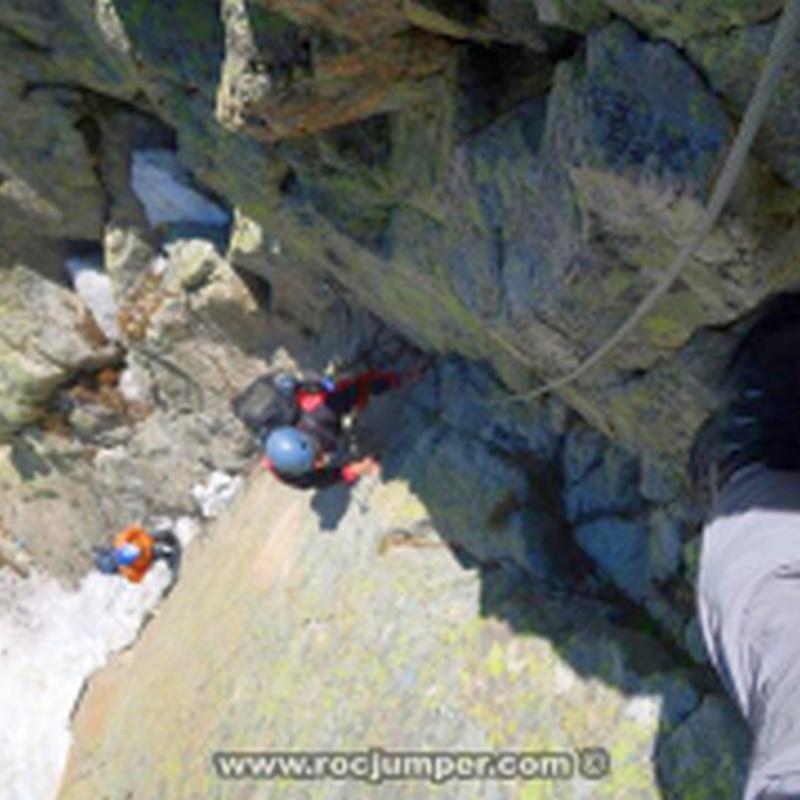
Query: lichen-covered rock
[[549, 225], [627, 146], [684, 752], [480, 216], [599, 480], [493, 187], [732, 60], [351, 19], [48, 186], [440, 182], [579, 15], [345, 87], [295, 290], [123, 446], [682, 21], [428, 657], [489, 512], [70, 37], [665, 544], [52, 504]]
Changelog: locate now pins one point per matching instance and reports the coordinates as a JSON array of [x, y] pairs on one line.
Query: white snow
[[93, 286], [51, 641], [164, 188], [185, 528], [216, 493]]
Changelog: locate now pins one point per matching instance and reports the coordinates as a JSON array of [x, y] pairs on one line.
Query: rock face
[[396, 638], [731, 59], [261, 185], [48, 336], [463, 199], [474, 175]]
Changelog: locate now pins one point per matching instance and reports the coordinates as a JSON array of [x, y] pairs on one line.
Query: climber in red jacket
[[306, 451]]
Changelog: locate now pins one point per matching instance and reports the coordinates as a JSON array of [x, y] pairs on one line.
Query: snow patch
[[216, 493], [132, 386], [51, 641], [93, 286], [165, 190], [186, 529]]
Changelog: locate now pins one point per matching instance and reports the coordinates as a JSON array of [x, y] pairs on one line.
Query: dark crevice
[[495, 79], [465, 12], [366, 143], [91, 133], [259, 288], [289, 183]]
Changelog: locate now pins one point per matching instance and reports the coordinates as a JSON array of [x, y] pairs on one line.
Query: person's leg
[[749, 606], [747, 457], [167, 547]]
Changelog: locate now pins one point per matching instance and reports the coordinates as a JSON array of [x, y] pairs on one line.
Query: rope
[[781, 48]]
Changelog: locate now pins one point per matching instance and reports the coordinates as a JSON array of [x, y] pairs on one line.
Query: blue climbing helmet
[[105, 560], [290, 450], [127, 554]]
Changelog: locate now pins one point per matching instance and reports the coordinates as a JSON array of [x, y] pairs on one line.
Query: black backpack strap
[[324, 426]]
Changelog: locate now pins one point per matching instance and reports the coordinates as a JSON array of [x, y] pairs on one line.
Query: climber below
[[134, 551]]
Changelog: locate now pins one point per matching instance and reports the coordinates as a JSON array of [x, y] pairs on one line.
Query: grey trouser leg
[[749, 605]]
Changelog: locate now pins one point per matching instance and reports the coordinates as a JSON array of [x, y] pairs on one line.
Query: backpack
[[261, 407]]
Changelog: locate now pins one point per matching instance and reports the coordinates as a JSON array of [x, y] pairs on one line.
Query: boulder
[[48, 337]]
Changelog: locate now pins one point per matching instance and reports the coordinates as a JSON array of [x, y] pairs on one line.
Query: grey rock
[[665, 545], [713, 731], [579, 16], [681, 22], [732, 60], [618, 547], [490, 496], [655, 484], [47, 338], [599, 479], [693, 641]]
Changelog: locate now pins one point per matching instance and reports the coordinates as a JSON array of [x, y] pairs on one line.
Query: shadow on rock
[[554, 520], [331, 505]]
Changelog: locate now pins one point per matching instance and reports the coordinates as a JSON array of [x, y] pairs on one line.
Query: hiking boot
[[758, 420]]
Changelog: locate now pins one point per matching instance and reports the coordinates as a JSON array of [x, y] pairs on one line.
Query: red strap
[[349, 474], [310, 401], [267, 464]]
